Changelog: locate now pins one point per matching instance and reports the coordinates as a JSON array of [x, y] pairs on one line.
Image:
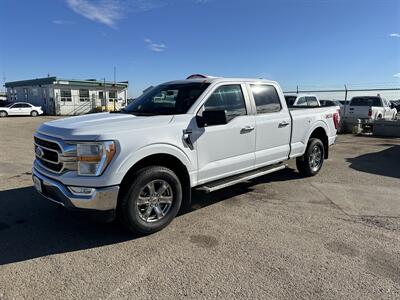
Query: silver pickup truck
[[204, 133]]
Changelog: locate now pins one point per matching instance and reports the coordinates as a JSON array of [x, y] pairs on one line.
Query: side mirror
[[213, 117]]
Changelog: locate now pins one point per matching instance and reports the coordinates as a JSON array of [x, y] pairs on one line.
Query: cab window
[[229, 98], [312, 101], [266, 99], [302, 101]]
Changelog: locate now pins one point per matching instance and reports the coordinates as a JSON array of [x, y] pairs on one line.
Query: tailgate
[[358, 112]]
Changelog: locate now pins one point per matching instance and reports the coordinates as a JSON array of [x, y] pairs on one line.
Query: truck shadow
[[384, 163], [32, 227]]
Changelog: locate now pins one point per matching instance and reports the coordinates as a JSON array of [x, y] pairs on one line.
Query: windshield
[[167, 99], [8, 105]]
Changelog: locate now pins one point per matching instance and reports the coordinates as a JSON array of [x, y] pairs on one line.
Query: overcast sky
[[315, 43]]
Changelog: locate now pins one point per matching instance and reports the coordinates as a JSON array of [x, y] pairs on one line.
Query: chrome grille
[[53, 157], [47, 144]]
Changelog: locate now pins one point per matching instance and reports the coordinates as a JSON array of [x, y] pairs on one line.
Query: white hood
[[100, 126]]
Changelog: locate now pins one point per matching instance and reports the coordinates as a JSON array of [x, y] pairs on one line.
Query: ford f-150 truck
[[142, 163], [368, 109]]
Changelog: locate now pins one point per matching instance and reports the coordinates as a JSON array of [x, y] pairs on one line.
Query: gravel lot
[[334, 236]]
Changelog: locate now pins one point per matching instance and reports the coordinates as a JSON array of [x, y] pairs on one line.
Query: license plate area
[[37, 183]]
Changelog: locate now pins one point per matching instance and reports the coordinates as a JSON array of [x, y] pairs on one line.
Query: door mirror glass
[[213, 117]]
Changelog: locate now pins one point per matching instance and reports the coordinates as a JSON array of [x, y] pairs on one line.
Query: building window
[[84, 95], [66, 95], [26, 94], [112, 96]]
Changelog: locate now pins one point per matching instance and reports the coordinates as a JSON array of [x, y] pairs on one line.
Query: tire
[[34, 113], [311, 162], [144, 209], [379, 117], [3, 114]]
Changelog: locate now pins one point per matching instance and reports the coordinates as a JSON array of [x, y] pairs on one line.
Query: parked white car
[[203, 133], [302, 100], [20, 109], [368, 109]]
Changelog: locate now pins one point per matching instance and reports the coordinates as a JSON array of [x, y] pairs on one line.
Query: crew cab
[[368, 109], [302, 100], [203, 133]]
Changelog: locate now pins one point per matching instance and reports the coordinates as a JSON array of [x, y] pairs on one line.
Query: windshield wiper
[[141, 113]]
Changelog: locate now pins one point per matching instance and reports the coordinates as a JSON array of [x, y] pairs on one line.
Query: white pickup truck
[[302, 100], [142, 163], [368, 109]]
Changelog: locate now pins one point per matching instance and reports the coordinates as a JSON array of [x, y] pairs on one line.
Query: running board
[[225, 182]]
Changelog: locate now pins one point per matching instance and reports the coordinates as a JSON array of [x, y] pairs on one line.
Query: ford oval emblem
[[39, 152]]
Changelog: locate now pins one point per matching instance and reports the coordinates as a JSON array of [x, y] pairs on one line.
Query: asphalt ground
[[333, 236]]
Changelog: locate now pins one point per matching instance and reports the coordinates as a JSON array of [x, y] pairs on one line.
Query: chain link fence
[[349, 91]]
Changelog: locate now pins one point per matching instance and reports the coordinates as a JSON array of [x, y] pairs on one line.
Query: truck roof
[[221, 79]]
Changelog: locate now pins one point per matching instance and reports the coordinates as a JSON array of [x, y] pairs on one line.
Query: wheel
[[379, 117], [3, 114], [34, 113], [312, 160], [395, 117], [152, 200]]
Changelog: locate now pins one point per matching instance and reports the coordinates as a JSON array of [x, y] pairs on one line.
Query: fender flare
[[318, 124], [154, 149]]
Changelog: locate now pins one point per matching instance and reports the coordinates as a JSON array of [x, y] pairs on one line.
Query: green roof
[[61, 81]]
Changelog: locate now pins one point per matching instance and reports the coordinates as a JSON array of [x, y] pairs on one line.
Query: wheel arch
[[167, 160], [320, 133]]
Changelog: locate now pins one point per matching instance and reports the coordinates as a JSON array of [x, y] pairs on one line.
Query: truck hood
[[100, 125]]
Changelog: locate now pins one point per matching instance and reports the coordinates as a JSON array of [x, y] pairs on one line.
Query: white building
[[3, 97], [59, 96]]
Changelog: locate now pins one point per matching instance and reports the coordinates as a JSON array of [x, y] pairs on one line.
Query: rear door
[[224, 150], [388, 114], [26, 109], [273, 125]]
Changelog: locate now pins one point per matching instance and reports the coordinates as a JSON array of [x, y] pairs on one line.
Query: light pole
[[105, 95]]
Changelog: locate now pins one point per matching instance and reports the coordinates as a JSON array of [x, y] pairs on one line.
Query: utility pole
[[4, 81], [105, 95], [115, 89]]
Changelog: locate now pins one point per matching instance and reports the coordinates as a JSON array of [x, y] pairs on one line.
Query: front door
[[15, 110], [224, 150]]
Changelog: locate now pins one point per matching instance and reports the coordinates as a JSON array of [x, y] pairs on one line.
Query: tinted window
[[366, 101], [25, 105], [167, 99], [229, 98], [302, 101], [290, 100], [266, 98], [312, 101]]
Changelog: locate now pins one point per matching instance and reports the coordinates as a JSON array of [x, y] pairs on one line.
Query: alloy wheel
[[315, 158], [155, 200]]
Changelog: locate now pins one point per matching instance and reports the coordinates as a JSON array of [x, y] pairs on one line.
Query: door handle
[[247, 129], [283, 124]]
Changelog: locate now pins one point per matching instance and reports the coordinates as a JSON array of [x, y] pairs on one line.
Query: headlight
[[93, 158]]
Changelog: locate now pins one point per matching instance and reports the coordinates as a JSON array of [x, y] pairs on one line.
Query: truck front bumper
[[100, 199]]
